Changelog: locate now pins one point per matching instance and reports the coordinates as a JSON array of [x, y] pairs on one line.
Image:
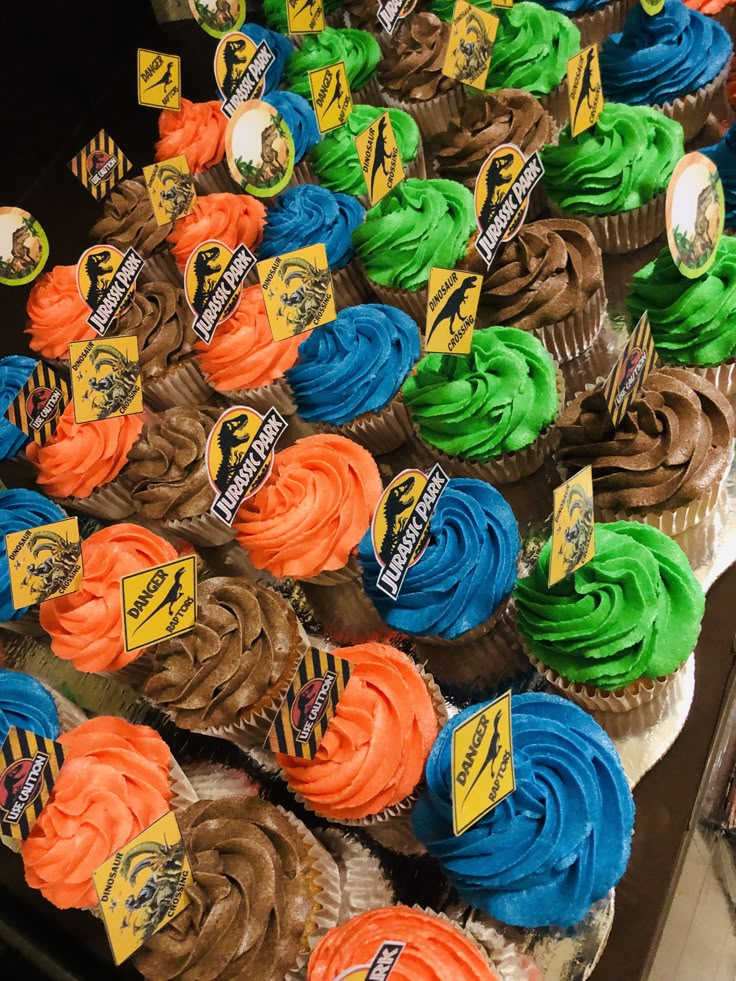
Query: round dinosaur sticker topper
[[260, 149], [498, 173], [695, 214], [218, 17], [95, 270], [392, 514], [233, 55], [203, 270], [228, 445], [24, 247]]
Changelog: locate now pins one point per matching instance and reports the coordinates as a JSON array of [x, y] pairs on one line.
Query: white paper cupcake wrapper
[[183, 793], [723, 375], [183, 384], [161, 268], [432, 116], [378, 432], [205, 530], [624, 232], [673, 522], [212, 781], [568, 338], [691, 110], [363, 884]]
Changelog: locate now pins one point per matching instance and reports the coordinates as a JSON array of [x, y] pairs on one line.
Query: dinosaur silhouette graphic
[[235, 56], [453, 305], [307, 5], [205, 266], [175, 593], [396, 510], [96, 161], [166, 79], [587, 89], [494, 749], [231, 442], [337, 94], [97, 270], [380, 156], [497, 177]]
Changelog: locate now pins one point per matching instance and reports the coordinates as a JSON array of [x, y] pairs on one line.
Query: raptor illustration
[[494, 749], [304, 302], [177, 191], [380, 157], [577, 536], [54, 560], [110, 393], [473, 55], [232, 442], [396, 511], [235, 56], [175, 593], [205, 267], [453, 305], [337, 94], [97, 269], [587, 89], [166, 79], [153, 899], [497, 178], [307, 5]]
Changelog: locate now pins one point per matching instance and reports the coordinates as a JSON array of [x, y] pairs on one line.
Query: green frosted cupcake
[[614, 176], [487, 414], [274, 13], [613, 633], [358, 49]]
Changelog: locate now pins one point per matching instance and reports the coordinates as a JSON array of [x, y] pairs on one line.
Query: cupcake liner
[[112, 502], [275, 395], [70, 715], [350, 286], [135, 673], [303, 174], [363, 884], [691, 110], [557, 105], [596, 25], [350, 572], [216, 180], [161, 267], [212, 781], [346, 614], [568, 338], [723, 375], [623, 232], [378, 432], [433, 115], [671, 522], [205, 530], [727, 18], [183, 793], [183, 384], [369, 95], [415, 304], [29, 625]]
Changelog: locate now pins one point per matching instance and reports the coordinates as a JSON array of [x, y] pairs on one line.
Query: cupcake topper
[[297, 291], [106, 379], [29, 766], [652, 7], [331, 96], [171, 189], [44, 562], [584, 90], [24, 247], [381, 966], [573, 542], [213, 277], [158, 603], [390, 12], [106, 282], [470, 45], [100, 164], [695, 214], [240, 70], [305, 16], [452, 304], [379, 157], [632, 369], [260, 149], [38, 406], [218, 17], [159, 80], [502, 190]]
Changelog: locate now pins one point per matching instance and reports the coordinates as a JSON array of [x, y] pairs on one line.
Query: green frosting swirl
[[632, 612], [358, 49], [693, 321], [494, 400], [274, 13], [418, 225], [335, 160], [532, 48], [444, 9], [619, 164]]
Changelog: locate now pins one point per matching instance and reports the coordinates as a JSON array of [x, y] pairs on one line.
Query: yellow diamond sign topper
[[100, 165], [159, 80], [159, 603], [470, 46], [305, 16], [297, 291], [452, 305], [44, 562], [573, 541], [380, 159], [171, 189], [106, 378], [584, 89], [331, 96]]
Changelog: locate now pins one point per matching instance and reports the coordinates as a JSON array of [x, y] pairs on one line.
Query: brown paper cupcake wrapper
[[624, 232], [111, 502], [433, 115], [303, 174], [691, 110], [346, 614], [350, 286], [29, 625], [212, 781], [557, 105], [415, 304], [723, 375], [596, 25], [70, 715], [350, 572], [671, 522], [369, 95], [568, 338], [183, 384], [275, 395], [727, 18], [161, 268], [216, 180], [205, 530], [378, 432], [363, 885]]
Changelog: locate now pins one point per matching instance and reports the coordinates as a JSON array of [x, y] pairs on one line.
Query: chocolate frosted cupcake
[[665, 462]]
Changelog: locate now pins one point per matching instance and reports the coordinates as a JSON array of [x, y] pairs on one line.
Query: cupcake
[[14, 372], [274, 13], [556, 845], [487, 413], [196, 130], [614, 176], [309, 215], [86, 627], [229, 675], [548, 280], [57, 314], [625, 621], [281, 48], [25, 704], [301, 122], [364, 884], [677, 61], [723, 155], [264, 893], [418, 225], [372, 755], [335, 160], [358, 50], [722, 10], [349, 374], [664, 464], [595, 19], [128, 222]]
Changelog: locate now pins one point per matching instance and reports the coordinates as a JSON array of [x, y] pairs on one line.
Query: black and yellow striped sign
[[37, 407], [310, 703], [100, 165], [30, 766], [630, 371]]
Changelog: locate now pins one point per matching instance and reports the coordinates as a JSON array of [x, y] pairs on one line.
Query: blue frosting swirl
[[354, 365], [299, 118], [281, 47], [14, 370], [656, 60], [466, 570], [20, 509], [723, 155], [571, 7], [25, 703], [307, 215], [559, 842]]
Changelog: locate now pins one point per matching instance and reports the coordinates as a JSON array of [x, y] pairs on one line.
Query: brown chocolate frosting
[[128, 220], [673, 445], [412, 69], [160, 318], [252, 905], [242, 653], [166, 471], [506, 116]]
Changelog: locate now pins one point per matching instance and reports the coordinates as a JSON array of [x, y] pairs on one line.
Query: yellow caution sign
[[452, 305], [106, 378], [159, 603], [29, 768], [331, 96], [379, 157], [297, 291], [159, 80], [100, 165], [44, 562], [585, 90], [171, 189], [470, 47], [305, 16], [573, 541]]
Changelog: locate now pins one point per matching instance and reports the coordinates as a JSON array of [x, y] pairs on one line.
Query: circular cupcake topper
[[233, 55], [202, 274], [392, 514], [95, 270], [218, 17], [228, 442], [495, 178], [24, 248], [260, 149], [695, 214]]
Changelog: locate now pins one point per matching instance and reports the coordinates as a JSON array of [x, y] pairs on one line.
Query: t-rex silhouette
[[96, 270], [380, 156], [205, 265], [453, 304], [586, 88], [175, 593], [165, 80], [337, 94], [496, 180], [493, 750], [230, 439], [395, 507], [235, 55]]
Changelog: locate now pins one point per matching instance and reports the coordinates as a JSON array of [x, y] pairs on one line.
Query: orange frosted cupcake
[[373, 754], [57, 314], [86, 627], [233, 219], [198, 131]]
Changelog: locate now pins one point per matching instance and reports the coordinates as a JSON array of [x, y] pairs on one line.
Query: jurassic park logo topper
[[100, 165], [106, 282], [331, 96], [573, 541], [218, 17], [502, 190], [695, 212], [29, 768], [379, 157], [213, 278], [159, 80], [452, 305], [585, 90], [24, 247], [381, 966], [470, 46], [239, 456], [390, 12], [297, 291], [400, 525], [482, 763], [159, 603], [142, 887], [260, 149], [38, 406], [305, 16], [632, 369], [106, 379], [309, 704], [240, 70], [171, 189], [44, 562]]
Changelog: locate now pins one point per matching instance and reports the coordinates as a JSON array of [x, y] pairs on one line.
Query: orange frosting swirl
[[373, 753], [197, 131], [313, 510], [86, 627], [78, 459], [232, 219], [436, 950], [243, 353], [114, 783], [57, 314]]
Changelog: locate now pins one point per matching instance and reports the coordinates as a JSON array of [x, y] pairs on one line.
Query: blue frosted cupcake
[[25, 703], [559, 842], [723, 155], [14, 372], [302, 124], [280, 46], [349, 375], [595, 19], [676, 61]]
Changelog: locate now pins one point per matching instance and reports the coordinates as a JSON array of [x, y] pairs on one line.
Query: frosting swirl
[[243, 650], [313, 510], [411, 69], [358, 50], [161, 321], [14, 372], [619, 164], [20, 509], [444, 9], [274, 12], [128, 220], [86, 627], [57, 314], [708, 6], [197, 130], [418, 225], [354, 365], [723, 155], [655, 60], [632, 612], [672, 446], [25, 703], [559, 842], [299, 118], [281, 47], [308, 215], [373, 753], [232, 219], [466, 570]]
